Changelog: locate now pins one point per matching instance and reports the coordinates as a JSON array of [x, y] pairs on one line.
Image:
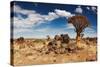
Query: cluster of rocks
[[60, 44]]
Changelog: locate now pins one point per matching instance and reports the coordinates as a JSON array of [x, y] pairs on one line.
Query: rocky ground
[[36, 52]]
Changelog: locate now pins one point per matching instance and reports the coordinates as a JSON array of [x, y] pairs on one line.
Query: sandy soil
[[35, 52]]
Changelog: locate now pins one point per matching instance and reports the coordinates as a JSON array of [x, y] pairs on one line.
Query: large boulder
[[65, 38]]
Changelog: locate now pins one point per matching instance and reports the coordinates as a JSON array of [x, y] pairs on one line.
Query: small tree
[[80, 22], [20, 40]]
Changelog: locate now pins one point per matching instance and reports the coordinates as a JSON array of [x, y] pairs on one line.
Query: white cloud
[[79, 10], [51, 16], [90, 30], [70, 26], [20, 23], [88, 8], [34, 18], [22, 30], [93, 8], [63, 13], [18, 9], [42, 30]]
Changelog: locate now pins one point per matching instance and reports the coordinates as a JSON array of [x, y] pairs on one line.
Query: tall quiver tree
[[80, 22]]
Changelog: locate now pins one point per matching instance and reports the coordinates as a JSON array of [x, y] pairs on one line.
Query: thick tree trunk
[[78, 38]]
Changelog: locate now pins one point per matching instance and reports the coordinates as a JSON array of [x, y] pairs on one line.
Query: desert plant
[[20, 40], [80, 22]]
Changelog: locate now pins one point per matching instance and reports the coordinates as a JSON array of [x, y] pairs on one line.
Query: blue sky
[[37, 20]]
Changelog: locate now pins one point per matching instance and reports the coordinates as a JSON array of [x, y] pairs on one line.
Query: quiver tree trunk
[[78, 38]]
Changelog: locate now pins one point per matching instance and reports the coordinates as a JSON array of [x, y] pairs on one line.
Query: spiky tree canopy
[[79, 22]]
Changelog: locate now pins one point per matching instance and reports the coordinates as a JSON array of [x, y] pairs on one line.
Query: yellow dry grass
[[28, 53]]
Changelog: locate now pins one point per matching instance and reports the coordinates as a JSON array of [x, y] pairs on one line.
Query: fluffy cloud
[[70, 26], [94, 9], [18, 9], [79, 10], [51, 16], [63, 13], [88, 8], [34, 18]]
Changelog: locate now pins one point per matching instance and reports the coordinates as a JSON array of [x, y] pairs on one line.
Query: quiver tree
[[80, 22]]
